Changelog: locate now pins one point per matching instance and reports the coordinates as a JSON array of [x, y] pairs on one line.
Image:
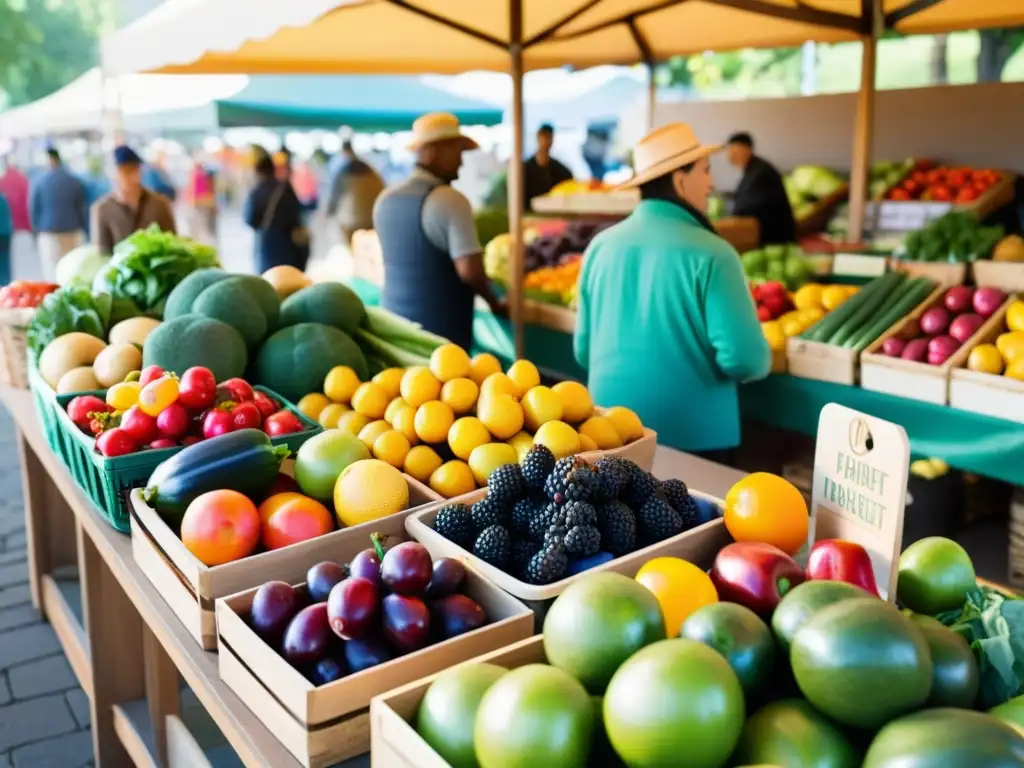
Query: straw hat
[[664, 150], [438, 126]]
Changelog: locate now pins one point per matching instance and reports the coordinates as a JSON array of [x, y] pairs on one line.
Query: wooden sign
[[858, 265], [861, 466]]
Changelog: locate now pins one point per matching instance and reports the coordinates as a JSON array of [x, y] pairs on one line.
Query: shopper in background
[[155, 178], [204, 200], [433, 265], [273, 210], [354, 189], [6, 231], [665, 322], [542, 172], [57, 208], [130, 207], [97, 185], [761, 192], [595, 152], [14, 186]]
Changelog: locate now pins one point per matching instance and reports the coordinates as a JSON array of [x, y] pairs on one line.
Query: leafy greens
[[67, 310]]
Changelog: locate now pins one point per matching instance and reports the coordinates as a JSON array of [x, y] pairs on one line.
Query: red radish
[[268, 406], [80, 407], [893, 346], [139, 425], [958, 299], [935, 321], [941, 348], [773, 288], [116, 442], [915, 350], [238, 389], [282, 423], [192, 440], [246, 416], [173, 421], [965, 326], [764, 314], [162, 442], [217, 422], [987, 301], [198, 388], [150, 374]]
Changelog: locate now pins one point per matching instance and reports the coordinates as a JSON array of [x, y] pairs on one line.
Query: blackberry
[[579, 513], [506, 484], [523, 511], [617, 525], [554, 486], [537, 464], [657, 521], [583, 541], [487, 512], [548, 565], [522, 551], [612, 478], [556, 532], [455, 523], [679, 498], [640, 489], [543, 518], [494, 546], [580, 484]]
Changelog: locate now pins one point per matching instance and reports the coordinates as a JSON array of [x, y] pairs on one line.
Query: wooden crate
[[322, 725], [821, 362], [587, 203], [986, 393], [741, 232], [908, 215], [942, 273], [394, 740], [190, 587], [1007, 275], [906, 378], [780, 361]]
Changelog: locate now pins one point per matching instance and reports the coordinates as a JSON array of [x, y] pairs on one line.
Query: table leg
[[49, 523], [115, 641], [163, 690]]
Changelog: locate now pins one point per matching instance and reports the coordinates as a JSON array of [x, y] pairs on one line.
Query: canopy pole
[[652, 94], [864, 123], [515, 177]]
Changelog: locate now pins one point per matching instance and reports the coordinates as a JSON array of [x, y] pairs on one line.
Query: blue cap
[[124, 155]]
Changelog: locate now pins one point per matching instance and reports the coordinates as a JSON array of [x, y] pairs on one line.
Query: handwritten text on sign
[[857, 488]]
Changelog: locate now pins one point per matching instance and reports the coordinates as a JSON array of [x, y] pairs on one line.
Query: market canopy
[[450, 36]]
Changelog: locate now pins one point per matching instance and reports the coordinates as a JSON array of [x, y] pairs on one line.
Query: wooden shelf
[[134, 729], [62, 605]]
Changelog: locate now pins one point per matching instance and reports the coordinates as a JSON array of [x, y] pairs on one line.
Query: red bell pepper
[[838, 560], [755, 575]]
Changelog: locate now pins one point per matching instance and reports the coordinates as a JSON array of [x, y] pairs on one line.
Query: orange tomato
[[296, 520], [220, 527], [765, 507], [681, 588], [273, 503]]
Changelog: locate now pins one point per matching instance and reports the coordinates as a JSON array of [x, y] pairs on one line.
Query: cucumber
[[825, 327], [864, 312], [917, 293], [244, 461], [895, 297]]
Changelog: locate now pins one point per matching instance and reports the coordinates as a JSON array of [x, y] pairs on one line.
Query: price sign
[[860, 486], [858, 265]]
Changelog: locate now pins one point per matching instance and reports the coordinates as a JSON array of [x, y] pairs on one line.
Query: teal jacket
[[666, 326]]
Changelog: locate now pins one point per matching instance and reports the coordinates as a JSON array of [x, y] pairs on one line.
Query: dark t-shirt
[[540, 179], [762, 195]]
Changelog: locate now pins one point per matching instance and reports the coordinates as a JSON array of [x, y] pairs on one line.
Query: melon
[[72, 350], [134, 330], [78, 380], [115, 362]]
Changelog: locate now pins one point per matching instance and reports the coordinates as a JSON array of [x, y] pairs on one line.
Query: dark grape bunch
[[544, 519]]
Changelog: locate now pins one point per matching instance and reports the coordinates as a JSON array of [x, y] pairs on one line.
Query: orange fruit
[[765, 507], [297, 519], [220, 527], [273, 503]]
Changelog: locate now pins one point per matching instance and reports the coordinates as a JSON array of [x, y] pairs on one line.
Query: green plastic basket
[[107, 481]]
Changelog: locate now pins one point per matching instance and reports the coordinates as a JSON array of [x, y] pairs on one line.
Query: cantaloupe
[[115, 362], [78, 380], [134, 330], [72, 350], [286, 280]]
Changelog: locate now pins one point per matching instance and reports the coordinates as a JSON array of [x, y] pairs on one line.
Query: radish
[[893, 346], [935, 321], [268, 406], [216, 423], [958, 299], [965, 326], [246, 416], [116, 442], [282, 423], [162, 442], [941, 348], [987, 301], [915, 350], [80, 407], [173, 421], [139, 425]]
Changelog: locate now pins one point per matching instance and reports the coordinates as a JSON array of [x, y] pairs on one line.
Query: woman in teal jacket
[[666, 325]]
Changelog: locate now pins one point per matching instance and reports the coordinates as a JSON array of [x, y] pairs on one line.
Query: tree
[[15, 35], [997, 48]]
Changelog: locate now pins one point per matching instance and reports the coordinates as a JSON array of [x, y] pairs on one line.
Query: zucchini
[[244, 461], [824, 328], [864, 312], [918, 292], [895, 297]]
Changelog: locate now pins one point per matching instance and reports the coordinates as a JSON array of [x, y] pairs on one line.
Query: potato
[[115, 362], [78, 380], [72, 350], [134, 330]]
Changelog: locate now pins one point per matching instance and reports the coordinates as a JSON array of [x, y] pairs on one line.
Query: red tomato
[[941, 193], [83, 405], [139, 425], [246, 416], [220, 527], [282, 423], [966, 195], [899, 194], [268, 406], [217, 422], [150, 374], [238, 389], [116, 442], [764, 314], [173, 421], [198, 389]]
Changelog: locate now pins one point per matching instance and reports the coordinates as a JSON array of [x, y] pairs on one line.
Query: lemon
[[466, 434], [341, 383], [390, 380], [522, 442], [482, 366], [449, 361], [586, 444], [792, 326], [432, 422], [123, 396], [487, 458], [312, 404], [525, 376], [811, 315], [985, 358], [372, 431], [1015, 316], [626, 423], [541, 405], [405, 422], [391, 446], [1015, 369], [419, 386], [394, 407], [453, 478], [352, 422], [774, 335], [561, 439], [368, 490], [498, 384], [460, 394], [501, 414], [330, 415], [601, 432], [1010, 346], [832, 296], [370, 400], [576, 403], [421, 461], [808, 296]]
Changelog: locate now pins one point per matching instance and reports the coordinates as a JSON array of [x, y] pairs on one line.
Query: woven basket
[[14, 347]]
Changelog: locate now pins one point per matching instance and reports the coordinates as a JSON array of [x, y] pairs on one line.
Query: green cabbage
[[80, 266]]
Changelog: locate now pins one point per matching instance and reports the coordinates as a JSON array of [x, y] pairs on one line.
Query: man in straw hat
[[433, 266], [665, 323]]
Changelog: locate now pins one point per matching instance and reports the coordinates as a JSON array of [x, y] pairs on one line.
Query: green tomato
[[935, 575], [447, 713]]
